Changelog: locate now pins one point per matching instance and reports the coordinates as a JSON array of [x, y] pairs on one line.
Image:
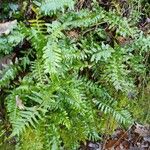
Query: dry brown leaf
[[19, 103], [6, 27], [80, 3], [73, 34], [123, 41], [142, 130], [110, 144], [6, 60]]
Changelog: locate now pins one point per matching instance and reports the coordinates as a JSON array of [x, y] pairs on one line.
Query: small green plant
[[74, 72]]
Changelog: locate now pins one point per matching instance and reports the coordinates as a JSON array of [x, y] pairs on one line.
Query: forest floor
[[137, 137]]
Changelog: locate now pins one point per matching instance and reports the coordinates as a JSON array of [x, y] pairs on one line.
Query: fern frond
[[8, 74], [106, 103], [5, 48], [117, 71], [38, 71], [83, 18], [142, 42], [38, 24], [26, 118], [101, 53], [52, 57], [108, 107], [16, 37], [12, 40], [48, 6]]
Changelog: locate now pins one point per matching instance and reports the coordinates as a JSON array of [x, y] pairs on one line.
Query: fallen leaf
[[6, 27], [73, 34], [148, 20], [19, 103], [142, 130], [6, 60]]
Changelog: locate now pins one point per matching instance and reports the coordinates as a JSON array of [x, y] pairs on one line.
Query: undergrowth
[[79, 70]]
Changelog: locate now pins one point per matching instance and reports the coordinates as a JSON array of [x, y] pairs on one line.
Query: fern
[[50, 5], [5, 48], [72, 73], [52, 57], [123, 117], [101, 53], [25, 119], [8, 74], [13, 39], [117, 72], [107, 104]]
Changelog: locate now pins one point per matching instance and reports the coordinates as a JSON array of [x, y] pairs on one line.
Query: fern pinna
[[74, 78]]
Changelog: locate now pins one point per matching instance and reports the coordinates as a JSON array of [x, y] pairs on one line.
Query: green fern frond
[[116, 71], [108, 107], [5, 48], [26, 118], [52, 57], [48, 6], [106, 103], [38, 71], [38, 24], [8, 74]]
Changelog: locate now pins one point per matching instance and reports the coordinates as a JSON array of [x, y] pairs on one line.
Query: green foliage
[[74, 76], [48, 6]]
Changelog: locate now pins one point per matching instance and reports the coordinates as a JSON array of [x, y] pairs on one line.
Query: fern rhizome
[[72, 72]]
